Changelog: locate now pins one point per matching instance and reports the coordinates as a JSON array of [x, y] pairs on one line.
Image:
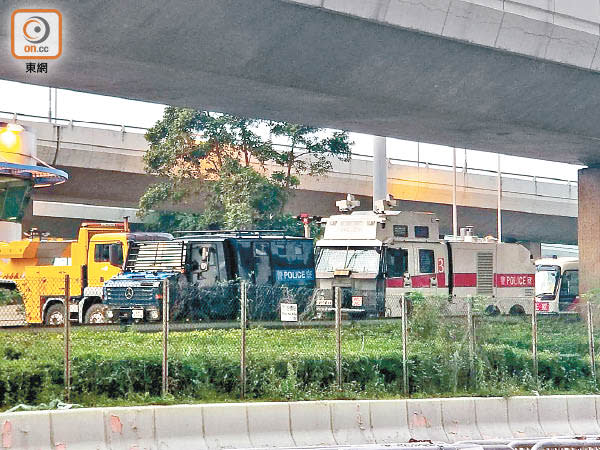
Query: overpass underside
[[518, 82]]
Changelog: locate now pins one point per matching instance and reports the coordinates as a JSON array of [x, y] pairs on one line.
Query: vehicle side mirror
[[115, 255]]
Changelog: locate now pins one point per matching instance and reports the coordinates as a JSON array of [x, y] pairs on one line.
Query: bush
[[296, 364]]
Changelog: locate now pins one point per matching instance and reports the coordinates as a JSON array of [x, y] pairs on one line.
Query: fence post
[[67, 337], [534, 343], [243, 325], [404, 346], [471, 327], [338, 336], [165, 338], [590, 323]]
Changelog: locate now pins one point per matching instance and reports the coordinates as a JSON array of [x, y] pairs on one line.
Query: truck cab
[[557, 285], [37, 267], [386, 254]]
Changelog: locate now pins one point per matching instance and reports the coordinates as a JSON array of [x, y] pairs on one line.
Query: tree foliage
[[308, 152], [224, 159]]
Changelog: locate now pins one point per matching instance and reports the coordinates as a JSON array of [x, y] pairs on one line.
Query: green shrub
[[109, 367]]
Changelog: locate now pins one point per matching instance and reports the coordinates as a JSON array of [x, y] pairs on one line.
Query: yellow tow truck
[[36, 266]]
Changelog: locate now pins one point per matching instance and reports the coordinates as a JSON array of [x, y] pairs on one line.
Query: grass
[[124, 367]]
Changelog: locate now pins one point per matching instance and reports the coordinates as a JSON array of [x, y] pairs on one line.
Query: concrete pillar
[[379, 169], [588, 227]]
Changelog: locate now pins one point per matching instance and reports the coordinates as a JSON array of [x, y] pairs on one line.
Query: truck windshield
[[354, 259], [546, 278]]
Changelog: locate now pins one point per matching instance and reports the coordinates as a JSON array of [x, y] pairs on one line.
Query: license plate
[[542, 306], [137, 314], [73, 308], [324, 302]]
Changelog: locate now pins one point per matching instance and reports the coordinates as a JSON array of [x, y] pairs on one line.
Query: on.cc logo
[[36, 29]]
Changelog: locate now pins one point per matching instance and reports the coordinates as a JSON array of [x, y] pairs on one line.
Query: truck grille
[[141, 295]]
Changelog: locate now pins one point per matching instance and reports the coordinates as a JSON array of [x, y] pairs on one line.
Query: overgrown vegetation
[[112, 367]]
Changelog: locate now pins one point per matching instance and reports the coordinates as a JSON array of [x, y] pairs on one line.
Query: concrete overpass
[[517, 77], [107, 179], [512, 76]]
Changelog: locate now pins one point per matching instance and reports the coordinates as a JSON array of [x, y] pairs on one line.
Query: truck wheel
[[95, 314], [55, 315], [517, 310], [492, 310]]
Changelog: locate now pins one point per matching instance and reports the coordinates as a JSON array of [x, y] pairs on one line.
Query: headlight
[[109, 313], [153, 313]]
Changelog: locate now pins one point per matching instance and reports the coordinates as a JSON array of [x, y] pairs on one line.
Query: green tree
[[310, 151], [223, 158]]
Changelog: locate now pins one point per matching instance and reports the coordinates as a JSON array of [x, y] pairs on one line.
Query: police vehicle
[[201, 261], [384, 255]]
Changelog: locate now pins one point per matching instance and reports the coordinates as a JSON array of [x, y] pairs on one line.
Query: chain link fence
[[169, 341], [35, 342]]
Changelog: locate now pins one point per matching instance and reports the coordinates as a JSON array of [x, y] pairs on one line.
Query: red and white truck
[[385, 255]]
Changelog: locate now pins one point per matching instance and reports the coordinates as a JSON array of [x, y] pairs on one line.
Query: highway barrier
[[302, 424]]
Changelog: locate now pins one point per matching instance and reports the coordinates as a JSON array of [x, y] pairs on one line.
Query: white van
[[557, 285]]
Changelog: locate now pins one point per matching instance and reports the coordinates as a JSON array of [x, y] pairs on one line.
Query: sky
[[33, 100]]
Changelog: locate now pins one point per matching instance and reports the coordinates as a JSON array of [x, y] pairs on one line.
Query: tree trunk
[[290, 163]]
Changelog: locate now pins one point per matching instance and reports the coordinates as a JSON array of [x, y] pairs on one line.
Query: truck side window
[[210, 276], [421, 231], [400, 230], [569, 286], [295, 253], [261, 249], [426, 261], [262, 262], [102, 253], [397, 262]]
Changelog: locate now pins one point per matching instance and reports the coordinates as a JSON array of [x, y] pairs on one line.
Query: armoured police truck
[[203, 269], [389, 254]]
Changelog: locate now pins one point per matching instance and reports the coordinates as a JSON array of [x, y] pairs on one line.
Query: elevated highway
[[512, 76], [107, 178]]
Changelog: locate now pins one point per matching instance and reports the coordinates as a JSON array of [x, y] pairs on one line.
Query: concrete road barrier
[[179, 427], [351, 422], [554, 416], [65, 435], [425, 420], [460, 422], [311, 423], [226, 426], [302, 424], [277, 416], [492, 418], [523, 417], [389, 421], [125, 428], [26, 430], [582, 414]]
